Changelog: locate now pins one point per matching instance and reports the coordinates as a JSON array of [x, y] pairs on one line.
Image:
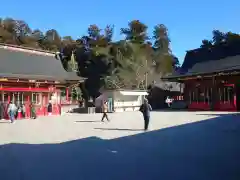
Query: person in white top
[[12, 109], [169, 101]]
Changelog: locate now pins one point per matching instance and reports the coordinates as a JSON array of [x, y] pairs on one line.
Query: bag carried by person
[[141, 109]]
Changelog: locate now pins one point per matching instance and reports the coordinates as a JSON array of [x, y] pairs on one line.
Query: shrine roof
[[217, 59], [23, 63]]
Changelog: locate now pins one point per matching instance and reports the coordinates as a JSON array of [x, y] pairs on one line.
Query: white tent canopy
[[100, 99], [134, 93]]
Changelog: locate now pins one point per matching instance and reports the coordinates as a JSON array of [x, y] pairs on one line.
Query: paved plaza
[[178, 146]]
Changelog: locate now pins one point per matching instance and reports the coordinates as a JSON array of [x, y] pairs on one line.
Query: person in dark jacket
[[49, 108], [23, 110], [145, 109], [1, 111]]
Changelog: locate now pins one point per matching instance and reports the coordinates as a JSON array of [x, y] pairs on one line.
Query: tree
[[52, 40], [93, 61], [232, 37], [67, 40], [218, 37], [129, 66], [128, 63], [108, 32], [94, 31], [9, 25], [5, 36], [22, 29], [161, 38], [72, 64], [133, 65], [162, 57], [206, 44], [136, 32], [7, 31]]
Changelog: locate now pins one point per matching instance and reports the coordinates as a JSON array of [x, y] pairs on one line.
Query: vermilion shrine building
[[211, 78], [28, 75]]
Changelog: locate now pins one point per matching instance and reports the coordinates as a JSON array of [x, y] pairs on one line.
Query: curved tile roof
[[217, 59], [21, 63]]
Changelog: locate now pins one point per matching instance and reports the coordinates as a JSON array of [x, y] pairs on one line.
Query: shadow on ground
[[118, 129], [219, 114], [87, 121], [203, 150]]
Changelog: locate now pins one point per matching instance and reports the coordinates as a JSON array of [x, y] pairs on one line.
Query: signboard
[[3, 79]]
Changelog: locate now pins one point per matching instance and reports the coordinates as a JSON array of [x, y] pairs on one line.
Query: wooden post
[[28, 99], [214, 93], [22, 98], [2, 92], [13, 97], [71, 94], [9, 98], [18, 97], [67, 94]]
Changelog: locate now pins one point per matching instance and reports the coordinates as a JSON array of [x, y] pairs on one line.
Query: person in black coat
[[145, 109], [49, 108], [1, 111]]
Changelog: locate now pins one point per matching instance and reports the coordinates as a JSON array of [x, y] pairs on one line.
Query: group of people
[[145, 109], [13, 111]]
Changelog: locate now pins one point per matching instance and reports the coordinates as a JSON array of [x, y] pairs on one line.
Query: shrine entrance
[[25, 98]]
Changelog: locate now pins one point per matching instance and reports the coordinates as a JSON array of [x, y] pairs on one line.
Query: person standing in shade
[[169, 101], [12, 109], [105, 110], [32, 111], [145, 109], [1, 111], [23, 108], [49, 109]]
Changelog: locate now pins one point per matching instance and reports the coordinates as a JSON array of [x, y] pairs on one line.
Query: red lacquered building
[[33, 76], [211, 78]]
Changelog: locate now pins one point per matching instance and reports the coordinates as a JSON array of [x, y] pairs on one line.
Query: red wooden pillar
[[28, 110], [67, 94], [58, 104], [28, 99], [9, 98]]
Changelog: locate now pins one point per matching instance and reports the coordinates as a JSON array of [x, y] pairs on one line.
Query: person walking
[[105, 110], [12, 109], [145, 109]]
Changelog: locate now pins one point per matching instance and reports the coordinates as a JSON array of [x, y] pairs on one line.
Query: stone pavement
[[179, 145]]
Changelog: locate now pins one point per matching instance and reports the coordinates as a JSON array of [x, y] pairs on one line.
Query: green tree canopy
[[131, 62]]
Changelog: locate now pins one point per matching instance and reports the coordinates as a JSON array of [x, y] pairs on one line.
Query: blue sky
[[188, 21]]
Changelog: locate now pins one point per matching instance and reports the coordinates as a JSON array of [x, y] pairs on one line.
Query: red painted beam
[[20, 89]]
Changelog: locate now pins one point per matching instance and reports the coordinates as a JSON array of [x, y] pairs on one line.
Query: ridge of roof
[[216, 52], [35, 66], [27, 50]]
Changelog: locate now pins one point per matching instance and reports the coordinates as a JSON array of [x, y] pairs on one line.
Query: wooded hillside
[[133, 62]]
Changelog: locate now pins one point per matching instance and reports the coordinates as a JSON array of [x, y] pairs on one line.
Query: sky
[[189, 22]]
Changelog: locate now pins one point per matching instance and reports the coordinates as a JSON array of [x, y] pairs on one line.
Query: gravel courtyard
[[178, 146]]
